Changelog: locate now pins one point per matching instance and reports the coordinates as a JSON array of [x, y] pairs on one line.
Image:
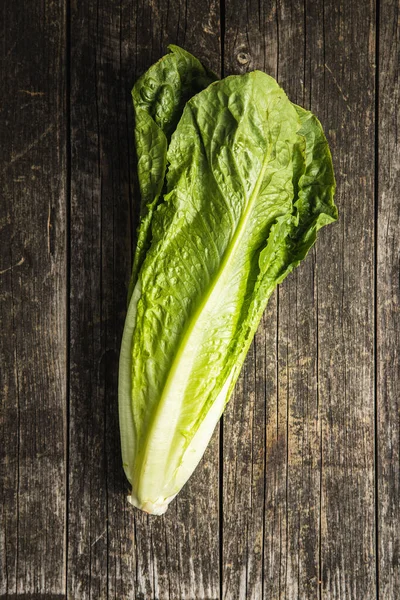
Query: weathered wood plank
[[388, 301], [115, 551], [319, 521], [32, 301], [179, 552], [245, 497], [101, 557], [244, 468], [285, 518], [342, 94], [297, 396]]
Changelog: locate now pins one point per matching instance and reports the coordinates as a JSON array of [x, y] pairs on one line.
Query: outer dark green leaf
[[159, 97]]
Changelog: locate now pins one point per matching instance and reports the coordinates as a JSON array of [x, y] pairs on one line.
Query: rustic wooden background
[[298, 496]]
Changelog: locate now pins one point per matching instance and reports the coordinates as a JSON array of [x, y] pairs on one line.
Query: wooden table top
[[298, 495]]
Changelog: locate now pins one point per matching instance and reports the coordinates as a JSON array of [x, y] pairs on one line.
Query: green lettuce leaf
[[250, 182], [159, 97]]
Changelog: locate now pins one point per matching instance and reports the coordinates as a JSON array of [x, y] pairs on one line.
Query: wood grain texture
[[320, 522], [100, 256], [388, 300], [344, 100], [114, 551], [32, 301], [178, 553], [299, 497], [101, 558], [284, 562], [246, 461], [298, 419]]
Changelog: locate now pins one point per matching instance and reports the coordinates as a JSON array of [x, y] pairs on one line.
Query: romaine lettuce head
[[249, 183]]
